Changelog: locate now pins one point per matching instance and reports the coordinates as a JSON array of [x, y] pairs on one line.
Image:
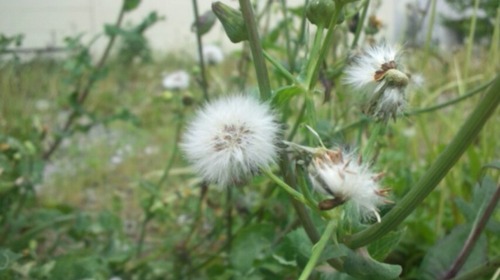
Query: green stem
[[295, 194], [317, 250], [291, 59], [451, 102], [83, 92], [485, 269], [314, 53], [361, 23], [300, 117], [229, 219], [204, 83], [372, 141], [256, 48], [281, 69], [430, 28], [163, 179], [470, 40], [474, 235], [429, 181], [327, 42]]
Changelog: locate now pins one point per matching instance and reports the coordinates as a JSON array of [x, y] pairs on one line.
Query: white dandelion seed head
[[213, 54], [229, 139], [378, 73], [339, 174], [177, 80]]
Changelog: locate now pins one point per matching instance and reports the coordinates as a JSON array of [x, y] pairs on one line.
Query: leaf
[[362, 266], [383, 246], [440, 257], [129, 5], [7, 258], [284, 94], [250, 245]]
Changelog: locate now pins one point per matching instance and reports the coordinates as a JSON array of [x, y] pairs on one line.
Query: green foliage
[[117, 200]]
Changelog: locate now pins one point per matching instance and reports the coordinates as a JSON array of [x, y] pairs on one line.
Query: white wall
[[47, 22]]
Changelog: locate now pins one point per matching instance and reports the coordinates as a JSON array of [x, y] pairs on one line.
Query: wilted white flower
[[339, 174], [212, 54], [229, 139], [176, 80], [378, 74]]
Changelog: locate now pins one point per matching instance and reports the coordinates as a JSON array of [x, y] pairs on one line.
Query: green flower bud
[[205, 23], [320, 12], [232, 21]]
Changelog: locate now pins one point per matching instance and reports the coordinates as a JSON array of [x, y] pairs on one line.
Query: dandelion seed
[[231, 138], [378, 74], [177, 80], [213, 54], [338, 174]]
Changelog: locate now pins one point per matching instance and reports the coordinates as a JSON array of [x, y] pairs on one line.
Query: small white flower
[[340, 175], [213, 54], [229, 139], [177, 80], [378, 74]]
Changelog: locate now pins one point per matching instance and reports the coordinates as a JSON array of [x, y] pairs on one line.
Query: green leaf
[[362, 266], [250, 245], [440, 257], [284, 94], [7, 258], [380, 248], [129, 5]]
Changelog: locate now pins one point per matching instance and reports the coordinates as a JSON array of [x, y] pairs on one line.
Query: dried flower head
[[378, 74], [339, 174], [231, 138], [177, 80], [213, 54]]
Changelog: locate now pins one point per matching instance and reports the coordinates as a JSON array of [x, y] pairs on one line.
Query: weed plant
[[315, 151]]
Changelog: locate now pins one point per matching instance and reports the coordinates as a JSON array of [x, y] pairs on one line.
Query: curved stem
[[83, 93], [474, 235], [482, 270], [256, 48], [204, 83], [429, 181], [451, 102]]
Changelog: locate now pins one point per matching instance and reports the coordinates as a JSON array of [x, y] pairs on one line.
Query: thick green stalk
[[429, 181], [317, 250], [256, 48]]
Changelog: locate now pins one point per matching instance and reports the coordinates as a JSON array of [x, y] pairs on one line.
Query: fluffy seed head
[[229, 139], [177, 80], [212, 54], [341, 175], [378, 74]]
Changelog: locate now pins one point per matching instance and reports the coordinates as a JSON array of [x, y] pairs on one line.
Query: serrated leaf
[[438, 260], [380, 248], [284, 94], [362, 266]]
